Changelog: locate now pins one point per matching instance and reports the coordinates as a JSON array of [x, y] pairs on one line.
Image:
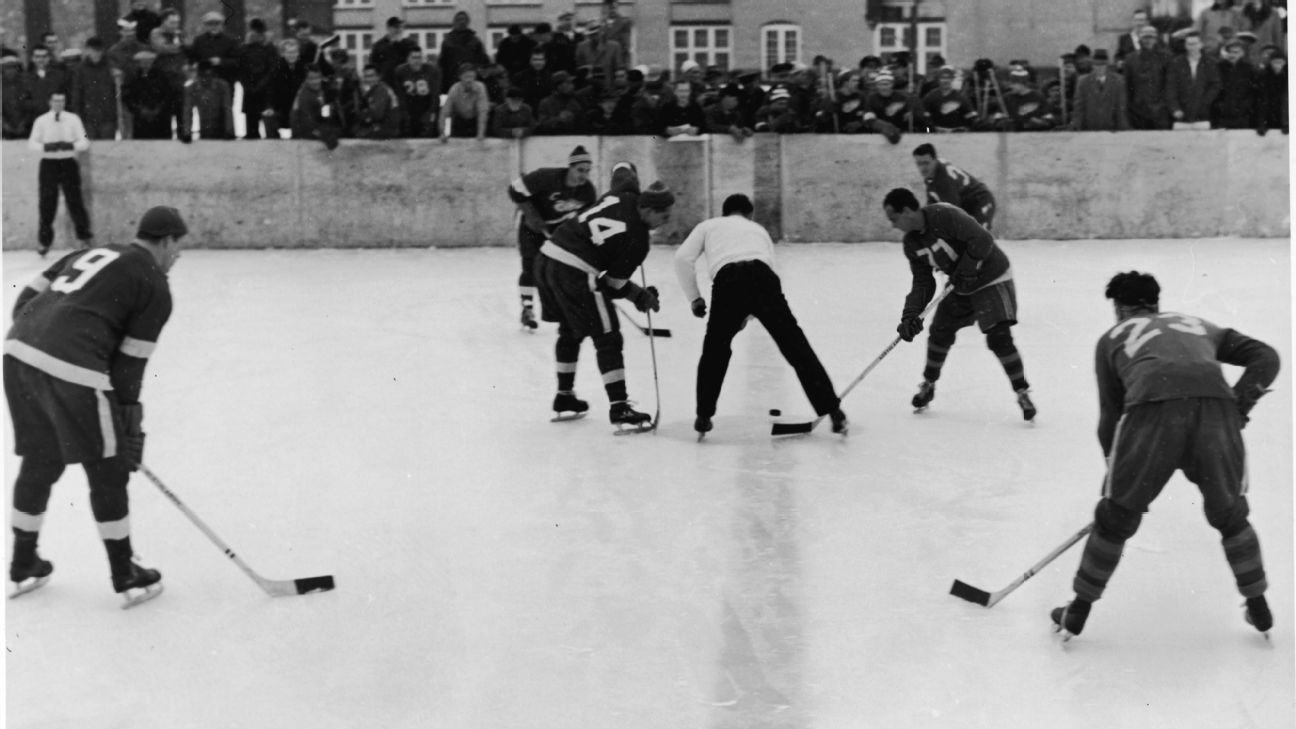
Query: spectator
[[616, 29], [691, 71], [167, 41], [1070, 75], [392, 50], [143, 20], [1226, 35], [121, 55], [535, 81], [560, 112], [461, 45], [15, 99], [217, 47], [777, 116], [378, 115], [1128, 42], [1145, 79], [1192, 83], [513, 119], [515, 49], [257, 62], [94, 93], [724, 117], [306, 45], [71, 58], [598, 54], [417, 85], [6, 51], [946, 109], [312, 111], [681, 113], [803, 86], [601, 116], [51, 41], [894, 109], [847, 115], [1210, 22], [345, 82], [1262, 19], [1026, 110], [496, 81], [147, 95], [467, 105], [1271, 94], [42, 81], [1100, 103], [287, 78], [541, 36], [1235, 107], [752, 96], [211, 97], [644, 108], [1083, 60], [561, 49]]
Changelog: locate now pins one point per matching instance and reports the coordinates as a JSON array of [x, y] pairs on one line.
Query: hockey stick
[[648, 330], [652, 347], [779, 429], [273, 588], [988, 599]]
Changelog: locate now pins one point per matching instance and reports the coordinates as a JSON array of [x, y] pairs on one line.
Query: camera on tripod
[[984, 67]]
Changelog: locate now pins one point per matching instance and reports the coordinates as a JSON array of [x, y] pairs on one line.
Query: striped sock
[[1097, 564], [1243, 553], [936, 354]]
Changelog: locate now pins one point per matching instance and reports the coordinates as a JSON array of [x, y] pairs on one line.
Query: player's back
[[1165, 356], [609, 235]]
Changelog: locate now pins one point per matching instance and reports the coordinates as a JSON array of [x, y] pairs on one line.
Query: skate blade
[[921, 409], [28, 585], [701, 437], [1064, 636], [140, 595], [561, 417], [628, 429]]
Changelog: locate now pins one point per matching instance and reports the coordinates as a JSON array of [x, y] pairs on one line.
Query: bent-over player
[[947, 183], [587, 263], [74, 363], [740, 261], [545, 198], [942, 237], [1164, 405]]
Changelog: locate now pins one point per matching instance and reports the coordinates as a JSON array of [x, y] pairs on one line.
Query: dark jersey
[[893, 109], [547, 190], [1167, 356], [420, 88], [949, 111], [1030, 111], [951, 184], [948, 234], [609, 236], [93, 318]]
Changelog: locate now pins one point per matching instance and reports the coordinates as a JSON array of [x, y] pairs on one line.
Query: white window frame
[[425, 3], [348, 4], [708, 53], [422, 35], [781, 32], [358, 44], [492, 40], [921, 49]]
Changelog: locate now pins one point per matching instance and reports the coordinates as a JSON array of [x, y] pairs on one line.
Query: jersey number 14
[[601, 229]]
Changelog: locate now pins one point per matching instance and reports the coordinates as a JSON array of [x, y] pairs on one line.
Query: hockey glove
[[699, 307], [643, 299], [910, 327], [131, 445]]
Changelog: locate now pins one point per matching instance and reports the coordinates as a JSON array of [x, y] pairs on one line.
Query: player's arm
[[922, 289], [520, 193], [1111, 398], [41, 282], [126, 369], [686, 262], [1261, 363]]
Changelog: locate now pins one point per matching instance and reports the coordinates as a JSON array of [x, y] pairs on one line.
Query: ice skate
[[30, 575], [42, 250], [567, 406], [840, 425], [139, 585], [926, 393], [1257, 614], [1027, 407], [1069, 620], [703, 426], [529, 322], [629, 420]]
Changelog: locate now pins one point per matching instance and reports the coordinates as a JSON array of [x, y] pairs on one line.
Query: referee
[[740, 258], [58, 135]]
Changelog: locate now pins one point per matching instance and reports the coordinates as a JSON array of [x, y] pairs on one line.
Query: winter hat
[[161, 221], [657, 197], [779, 93], [579, 156]]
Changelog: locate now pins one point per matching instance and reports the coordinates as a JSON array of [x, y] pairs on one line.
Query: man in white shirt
[[58, 135], [740, 262]]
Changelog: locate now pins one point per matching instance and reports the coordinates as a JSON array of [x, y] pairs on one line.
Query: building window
[[357, 44], [425, 3], [493, 38], [708, 45], [353, 3], [782, 44], [429, 39], [892, 37]]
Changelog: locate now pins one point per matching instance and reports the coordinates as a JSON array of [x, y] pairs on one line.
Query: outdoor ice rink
[[378, 415]]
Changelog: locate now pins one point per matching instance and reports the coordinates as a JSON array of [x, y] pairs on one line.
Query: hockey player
[[74, 363], [740, 259], [545, 198], [1164, 405], [587, 263], [950, 184], [942, 237]]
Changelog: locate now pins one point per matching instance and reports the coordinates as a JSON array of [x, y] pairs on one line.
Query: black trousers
[[751, 288], [65, 174]]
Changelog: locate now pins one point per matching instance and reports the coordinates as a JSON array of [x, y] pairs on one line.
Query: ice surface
[[378, 415]]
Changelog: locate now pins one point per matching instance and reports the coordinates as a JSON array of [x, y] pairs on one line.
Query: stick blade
[[307, 585], [663, 333], [791, 428], [970, 593]]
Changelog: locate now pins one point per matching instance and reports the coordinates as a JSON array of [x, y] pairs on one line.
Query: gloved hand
[[910, 327], [644, 299], [965, 275], [1247, 396], [130, 446], [699, 307]]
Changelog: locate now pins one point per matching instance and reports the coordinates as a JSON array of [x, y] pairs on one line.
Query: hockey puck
[[775, 413]]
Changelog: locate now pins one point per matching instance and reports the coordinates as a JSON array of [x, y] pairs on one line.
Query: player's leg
[[36, 442], [1145, 454], [552, 285], [996, 313], [728, 313], [771, 309], [48, 187], [111, 507], [1217, 465], [70, 181], [529, 243], [952, 314]]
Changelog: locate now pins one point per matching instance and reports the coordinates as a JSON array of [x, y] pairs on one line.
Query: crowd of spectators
[[1225, 70]]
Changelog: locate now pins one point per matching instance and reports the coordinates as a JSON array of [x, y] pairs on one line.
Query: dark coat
[[514, 53], [1235, 107], [222, 46], [285, 80], [94, 92], [1145, 80], [460, 46], [387, 54], [1271, 98], [1100, 107], [1192, 96], [257, 65]]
